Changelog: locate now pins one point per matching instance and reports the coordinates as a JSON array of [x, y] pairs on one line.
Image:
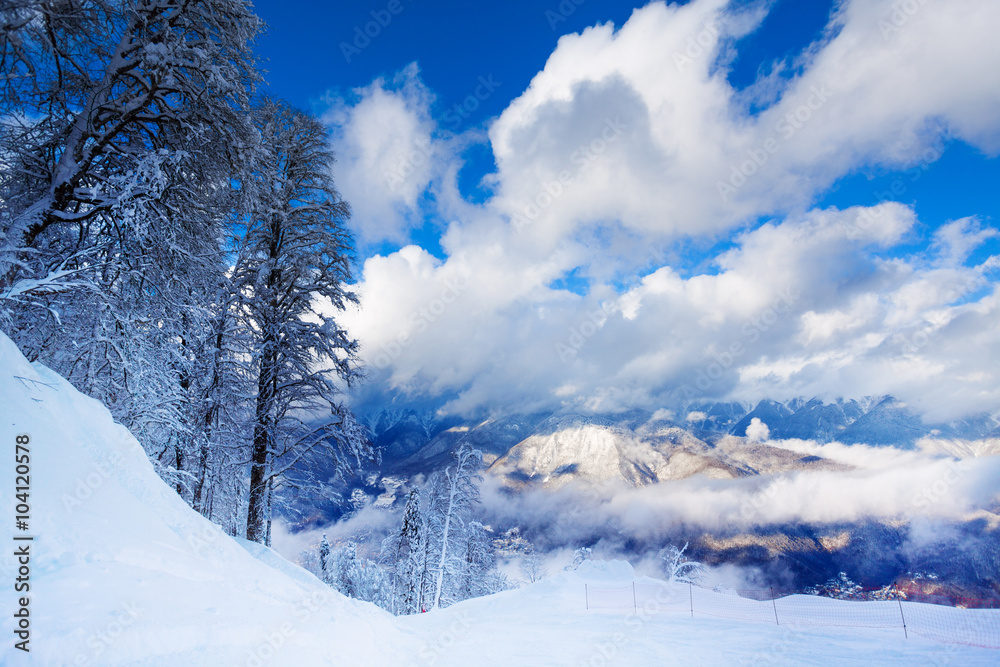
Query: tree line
[[172, 242]]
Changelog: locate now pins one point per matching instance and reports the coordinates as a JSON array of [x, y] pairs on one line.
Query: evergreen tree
[[402, 551], [324, 556]]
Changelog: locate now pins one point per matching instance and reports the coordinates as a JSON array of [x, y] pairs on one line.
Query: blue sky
[[645, 116], [454, 43]]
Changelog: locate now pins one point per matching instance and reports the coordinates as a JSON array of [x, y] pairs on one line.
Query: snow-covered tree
[[340, 568], [103, 104], [134, 171], [514, 546], [532, 567], [453, 493], [291, 275], [324, 555], [480, 559], [123, 124], [678, 568], [841, 587], [349, 572], [405, 553]]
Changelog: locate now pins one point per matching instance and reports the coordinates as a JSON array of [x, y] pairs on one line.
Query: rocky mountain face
[[640, 447]]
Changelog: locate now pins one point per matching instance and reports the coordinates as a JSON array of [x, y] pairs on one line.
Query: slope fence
[[973, 627]]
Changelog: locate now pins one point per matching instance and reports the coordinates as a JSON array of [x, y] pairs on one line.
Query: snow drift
[[123, 572]]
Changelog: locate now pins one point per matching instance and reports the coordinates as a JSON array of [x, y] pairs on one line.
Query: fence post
[[635, 605], [691, 597], [895, 588], [586, 596], [775, 607]]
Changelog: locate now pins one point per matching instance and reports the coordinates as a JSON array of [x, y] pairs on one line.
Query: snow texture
[[125, 573]]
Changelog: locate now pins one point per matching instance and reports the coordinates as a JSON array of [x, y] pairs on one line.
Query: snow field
[[547, 624], [125, 573]]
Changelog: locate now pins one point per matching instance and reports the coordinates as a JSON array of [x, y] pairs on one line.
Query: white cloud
[[757, 431], [616, 146], [690, 160], [386, 155], [881, 483]]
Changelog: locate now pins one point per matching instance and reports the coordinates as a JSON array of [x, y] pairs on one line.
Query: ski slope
[[123, 572], [547, 624]]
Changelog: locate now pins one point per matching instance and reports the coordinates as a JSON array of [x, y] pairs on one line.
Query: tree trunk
[[211, 415], [258, 501], [444, 536]]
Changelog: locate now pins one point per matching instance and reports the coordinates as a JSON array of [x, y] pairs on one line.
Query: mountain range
[[641, 447], [558, 452]]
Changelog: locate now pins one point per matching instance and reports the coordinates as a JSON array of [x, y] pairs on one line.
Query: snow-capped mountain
[[596, 450], [641, 447]]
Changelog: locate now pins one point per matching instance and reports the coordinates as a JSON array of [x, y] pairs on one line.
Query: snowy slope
[[548, 623], [124, 572]]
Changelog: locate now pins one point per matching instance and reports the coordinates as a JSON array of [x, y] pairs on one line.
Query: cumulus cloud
[[802, 307], [386, 154], [757, 431], [690, 160], [627, 139]]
